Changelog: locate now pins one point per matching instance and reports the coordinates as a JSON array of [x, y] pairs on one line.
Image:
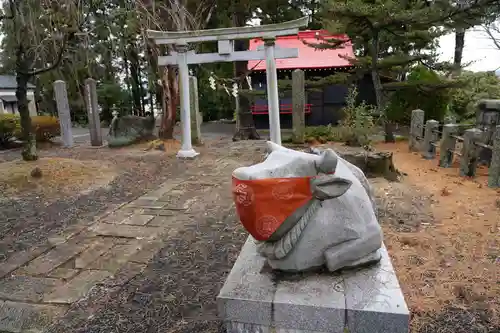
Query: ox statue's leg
[[355, 252], [372, 258]]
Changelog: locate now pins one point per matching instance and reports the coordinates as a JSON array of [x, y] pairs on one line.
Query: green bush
[[476, 86], [355, 128], [45, 128], [409, 98], [9, 125], [358, 120]]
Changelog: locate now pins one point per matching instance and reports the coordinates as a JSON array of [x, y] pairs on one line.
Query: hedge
[[45, 128]]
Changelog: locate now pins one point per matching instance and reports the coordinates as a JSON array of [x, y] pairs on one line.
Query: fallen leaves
[[445, 192]]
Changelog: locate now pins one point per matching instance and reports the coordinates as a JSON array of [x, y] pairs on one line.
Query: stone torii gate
[[183, 57]]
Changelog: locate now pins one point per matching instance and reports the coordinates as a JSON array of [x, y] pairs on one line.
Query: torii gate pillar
[[187, 150], [273, 100]]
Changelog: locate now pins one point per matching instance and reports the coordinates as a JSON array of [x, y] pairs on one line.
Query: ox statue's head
[[278, 198]]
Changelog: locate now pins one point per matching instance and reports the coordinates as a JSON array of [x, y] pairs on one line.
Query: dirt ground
[[443, 232]]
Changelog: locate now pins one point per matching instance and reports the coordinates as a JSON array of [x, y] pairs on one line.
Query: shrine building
[[323, 105]]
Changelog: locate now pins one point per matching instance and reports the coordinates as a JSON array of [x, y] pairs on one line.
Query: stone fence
[[477, 146]]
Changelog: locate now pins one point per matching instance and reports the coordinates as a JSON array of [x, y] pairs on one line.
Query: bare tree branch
[[59, 58], [493, 31]]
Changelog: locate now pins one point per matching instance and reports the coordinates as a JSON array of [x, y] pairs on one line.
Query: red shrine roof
[[309, 57]]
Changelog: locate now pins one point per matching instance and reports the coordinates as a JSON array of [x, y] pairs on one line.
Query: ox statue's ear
[[271, 146], [330, 187], [328, 162]]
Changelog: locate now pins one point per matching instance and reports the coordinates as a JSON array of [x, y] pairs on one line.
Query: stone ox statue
[[308, 210]]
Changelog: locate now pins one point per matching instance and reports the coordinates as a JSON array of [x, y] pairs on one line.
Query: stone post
[[272, 92], [494, 171], [61, 96], [417, 129], [187, 150], [448, 144], [470, 152], [93, 112], [430, 139], [449, 120], [195, 113], [299, 103]]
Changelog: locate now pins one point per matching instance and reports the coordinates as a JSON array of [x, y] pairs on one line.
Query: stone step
[[20, 258], [26, 288], [54, 258], [76, 288], [126, 231]]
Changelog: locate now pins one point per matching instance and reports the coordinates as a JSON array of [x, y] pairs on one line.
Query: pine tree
[[41, 34], [389, 35]]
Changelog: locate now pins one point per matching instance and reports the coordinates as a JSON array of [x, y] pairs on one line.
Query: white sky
[[478, 48]]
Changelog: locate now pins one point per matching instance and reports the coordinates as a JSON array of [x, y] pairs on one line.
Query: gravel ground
[[177, 290]]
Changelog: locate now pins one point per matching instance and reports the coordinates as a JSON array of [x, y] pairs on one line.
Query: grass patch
[[53, 176]]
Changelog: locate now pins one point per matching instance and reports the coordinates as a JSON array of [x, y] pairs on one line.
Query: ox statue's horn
[[328, 162], [271, 146]]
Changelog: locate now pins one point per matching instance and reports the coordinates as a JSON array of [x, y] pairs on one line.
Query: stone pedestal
[[255, 299]]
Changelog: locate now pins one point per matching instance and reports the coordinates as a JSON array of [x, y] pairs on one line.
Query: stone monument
[[61, 96], [93, 112], [305, 212]]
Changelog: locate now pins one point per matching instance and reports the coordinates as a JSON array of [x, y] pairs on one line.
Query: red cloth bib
[[264, 204]]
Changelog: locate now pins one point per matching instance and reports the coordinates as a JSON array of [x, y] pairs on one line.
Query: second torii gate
[[225, 37]]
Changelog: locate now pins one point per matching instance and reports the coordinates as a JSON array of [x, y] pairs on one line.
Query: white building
[[8, 100]]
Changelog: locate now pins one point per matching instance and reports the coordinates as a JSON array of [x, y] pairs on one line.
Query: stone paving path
[[40, 284]]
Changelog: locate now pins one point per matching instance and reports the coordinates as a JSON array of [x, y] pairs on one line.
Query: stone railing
[[477, 146]]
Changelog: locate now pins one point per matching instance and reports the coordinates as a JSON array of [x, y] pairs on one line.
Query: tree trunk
[[154, 92], [246, 130], [109, 76], [126, 66], [29, 139], [373, 164], [459, 51], [379, 92], [135, 80], [169, 103], [142, 94]]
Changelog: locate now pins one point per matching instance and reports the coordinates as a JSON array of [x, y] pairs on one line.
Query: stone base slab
[[255, 299]]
